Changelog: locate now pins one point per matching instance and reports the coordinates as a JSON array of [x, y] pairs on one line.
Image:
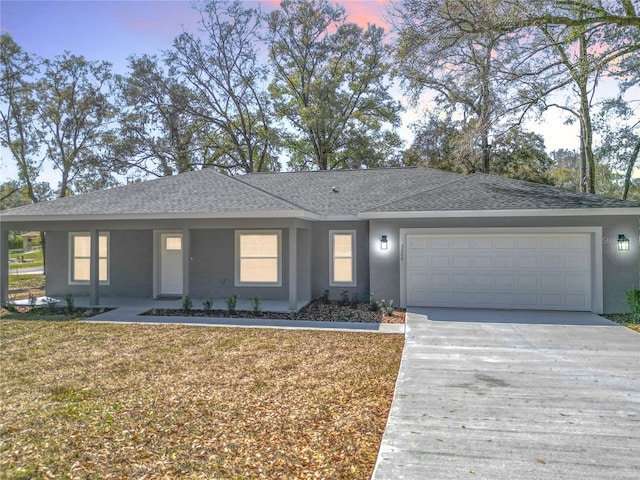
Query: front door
[[171, 264]]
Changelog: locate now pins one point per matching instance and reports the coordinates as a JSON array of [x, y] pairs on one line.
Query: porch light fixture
[[623, 243], [384, 244]]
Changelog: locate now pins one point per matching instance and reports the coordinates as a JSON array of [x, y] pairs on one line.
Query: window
[[342, 269], [258, 258], [173, 243], [80, 258]]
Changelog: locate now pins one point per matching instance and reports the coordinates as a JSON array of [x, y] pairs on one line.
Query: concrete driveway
[[514, 395]]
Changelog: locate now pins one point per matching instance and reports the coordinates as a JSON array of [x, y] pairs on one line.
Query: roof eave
[[548, 212], [297, 214]]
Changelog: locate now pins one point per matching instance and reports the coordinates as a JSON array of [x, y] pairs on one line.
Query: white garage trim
[[594, 234]]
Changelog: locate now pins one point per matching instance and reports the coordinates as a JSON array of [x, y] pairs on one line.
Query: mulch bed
[[316, 310]]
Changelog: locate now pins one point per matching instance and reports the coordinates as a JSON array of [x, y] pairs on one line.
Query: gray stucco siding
[[130, 265], [212, 269], [620, 270], [321, 258]]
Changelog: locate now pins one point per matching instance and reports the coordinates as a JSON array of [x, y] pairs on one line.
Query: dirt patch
[[317, 310]]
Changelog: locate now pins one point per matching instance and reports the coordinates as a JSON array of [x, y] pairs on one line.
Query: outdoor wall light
[[623, 243], [384, 243]]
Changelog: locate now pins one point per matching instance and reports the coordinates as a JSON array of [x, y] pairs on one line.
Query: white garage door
[[536, 271]]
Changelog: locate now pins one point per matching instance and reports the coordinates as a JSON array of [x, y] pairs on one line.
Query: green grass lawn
[[32, 259], [158, 401]]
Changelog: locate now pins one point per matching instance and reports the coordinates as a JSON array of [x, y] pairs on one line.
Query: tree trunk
[[629, 172], [587, 163]]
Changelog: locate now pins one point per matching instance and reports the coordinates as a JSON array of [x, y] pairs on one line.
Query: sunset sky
[[114, 30]]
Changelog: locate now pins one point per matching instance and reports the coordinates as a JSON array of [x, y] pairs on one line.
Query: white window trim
[[354, 257], [238, 234], [71, 257]]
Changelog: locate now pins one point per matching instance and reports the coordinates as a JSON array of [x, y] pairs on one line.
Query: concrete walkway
[[514, 395], [129, 310]]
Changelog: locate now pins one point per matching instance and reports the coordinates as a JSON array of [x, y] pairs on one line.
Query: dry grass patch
[[134, 401]]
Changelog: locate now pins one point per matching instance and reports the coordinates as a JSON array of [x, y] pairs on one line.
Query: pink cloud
[[361, 12]]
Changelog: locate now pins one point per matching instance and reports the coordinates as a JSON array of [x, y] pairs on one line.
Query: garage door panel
[[506, 243], [527, 242], [482, 261], [551, 260], [547, 271], [482, 243], [505, 261], [552, 282], [437, 243], [439, 280], [440, 261], [462, 261], [575, 261], [461, 243], [460, 280], [505, 280], [577, 301], [575, 283], [552, 300], [527, 261], [527, 282], [482, 280]]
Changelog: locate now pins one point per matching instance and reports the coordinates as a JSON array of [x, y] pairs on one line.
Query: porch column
[[94, 272], [293, 268], [186, 261], [4, 266]]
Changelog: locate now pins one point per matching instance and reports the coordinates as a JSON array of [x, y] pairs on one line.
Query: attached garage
[[508, 269]]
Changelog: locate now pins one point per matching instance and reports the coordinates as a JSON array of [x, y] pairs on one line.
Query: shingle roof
[[336, 193], [192, 192], [487, 192], [357, 190]]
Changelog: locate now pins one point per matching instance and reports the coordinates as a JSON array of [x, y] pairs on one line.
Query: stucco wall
[[130, 264], [620, 270], [213, 267], [320, 259]]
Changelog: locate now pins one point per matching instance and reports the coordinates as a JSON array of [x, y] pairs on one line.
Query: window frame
[[354, 269], [72, 257], [238, 258]]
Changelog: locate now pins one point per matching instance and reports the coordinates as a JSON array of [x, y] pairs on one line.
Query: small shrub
[[231, 304], [32, 299], [68, 298], [255, 305], [633, 302], [388, 310], [374, 305], [207, 305], [354, 300], [324, 298], [344, 298], [52, 304], [186, 303], [11, 307]]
